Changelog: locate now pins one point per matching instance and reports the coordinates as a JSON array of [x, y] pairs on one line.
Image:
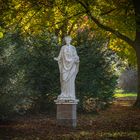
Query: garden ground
[[119, 122]]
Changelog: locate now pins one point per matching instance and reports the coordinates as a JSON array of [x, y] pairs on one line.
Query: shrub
[[29, 75], [96, 78]]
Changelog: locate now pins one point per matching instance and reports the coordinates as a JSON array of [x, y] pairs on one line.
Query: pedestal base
[[67, 112]]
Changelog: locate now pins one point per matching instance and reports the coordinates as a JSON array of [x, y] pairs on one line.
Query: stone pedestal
[[67, 112]]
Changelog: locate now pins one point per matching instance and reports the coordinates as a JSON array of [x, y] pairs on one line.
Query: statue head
[[67, 40]]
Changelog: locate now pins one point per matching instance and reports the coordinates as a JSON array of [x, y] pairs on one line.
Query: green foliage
[[29, 75], [30, 79], [42, 74], [96, 78], [33, 77]]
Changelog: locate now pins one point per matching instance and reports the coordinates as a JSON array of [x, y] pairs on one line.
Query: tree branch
[[62, 21], [108, 12], [33, 16], [71, 28], [107, 28], [117, 33], [25, 13]]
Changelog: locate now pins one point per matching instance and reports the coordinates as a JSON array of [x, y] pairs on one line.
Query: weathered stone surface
[[67, 112], [68, 62]]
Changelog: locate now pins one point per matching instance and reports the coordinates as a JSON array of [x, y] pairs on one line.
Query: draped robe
[[68, 62]]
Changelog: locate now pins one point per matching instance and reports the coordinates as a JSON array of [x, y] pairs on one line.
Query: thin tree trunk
[[137, 46]]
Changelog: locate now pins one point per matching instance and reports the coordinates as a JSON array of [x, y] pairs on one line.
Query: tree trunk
[[137, 47]]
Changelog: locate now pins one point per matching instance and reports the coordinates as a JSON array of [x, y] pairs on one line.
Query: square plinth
[[67, 113]]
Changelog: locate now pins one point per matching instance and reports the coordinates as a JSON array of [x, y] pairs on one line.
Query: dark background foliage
[[30, 76], [96, 78]]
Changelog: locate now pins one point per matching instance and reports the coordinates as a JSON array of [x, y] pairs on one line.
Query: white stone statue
[[68, 62]]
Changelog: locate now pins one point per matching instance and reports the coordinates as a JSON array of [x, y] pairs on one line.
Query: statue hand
[[55, 58]]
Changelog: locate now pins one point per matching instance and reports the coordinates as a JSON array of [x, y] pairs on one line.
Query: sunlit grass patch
[[120, 93]]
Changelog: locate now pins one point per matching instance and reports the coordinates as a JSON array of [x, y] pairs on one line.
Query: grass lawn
[[121, 93], [118, 95]]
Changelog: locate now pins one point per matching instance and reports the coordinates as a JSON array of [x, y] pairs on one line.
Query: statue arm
[[59, 56]]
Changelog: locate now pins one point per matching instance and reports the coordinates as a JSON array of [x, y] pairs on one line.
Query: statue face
[[68, 40]]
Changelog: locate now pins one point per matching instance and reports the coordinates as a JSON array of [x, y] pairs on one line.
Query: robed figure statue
[[68, 62]]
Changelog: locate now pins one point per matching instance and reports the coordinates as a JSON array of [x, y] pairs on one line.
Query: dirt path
[[119, 122]]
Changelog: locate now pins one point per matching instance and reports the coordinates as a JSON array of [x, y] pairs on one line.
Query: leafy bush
[[96, 78], [30, 76]]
